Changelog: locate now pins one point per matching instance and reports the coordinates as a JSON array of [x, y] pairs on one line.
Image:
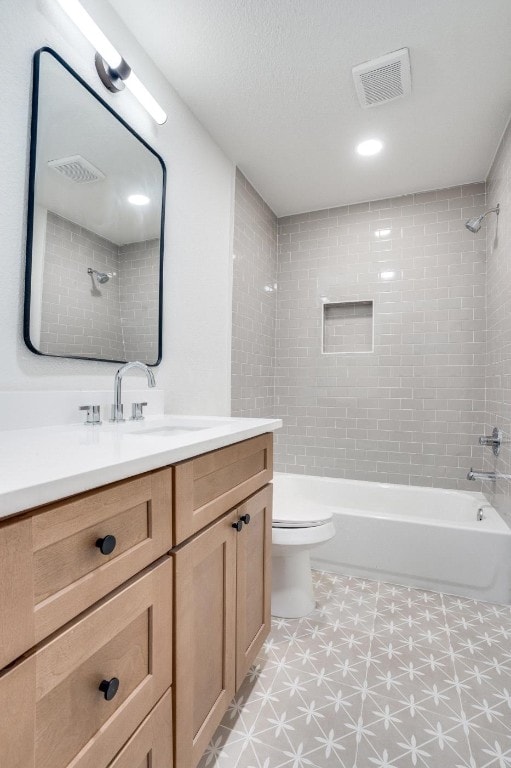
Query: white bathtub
[[423, 537]]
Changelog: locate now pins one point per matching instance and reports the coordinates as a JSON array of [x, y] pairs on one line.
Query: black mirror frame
[[31, 200]]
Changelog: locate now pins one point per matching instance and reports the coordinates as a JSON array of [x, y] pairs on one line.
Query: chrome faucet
[[117, 407], [475, 475]]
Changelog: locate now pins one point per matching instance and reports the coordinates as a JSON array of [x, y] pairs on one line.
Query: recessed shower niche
[[347, 327]]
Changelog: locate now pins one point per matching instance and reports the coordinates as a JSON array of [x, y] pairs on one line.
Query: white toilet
[[296, 528]]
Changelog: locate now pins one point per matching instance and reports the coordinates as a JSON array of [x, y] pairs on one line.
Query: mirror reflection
[[95, 227]]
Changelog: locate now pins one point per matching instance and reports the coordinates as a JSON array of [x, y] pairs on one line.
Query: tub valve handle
[[494, 441]]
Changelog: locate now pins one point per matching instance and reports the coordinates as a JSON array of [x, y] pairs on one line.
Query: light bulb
[[138, 200], [369, 147], [92, 32], [149, 103]]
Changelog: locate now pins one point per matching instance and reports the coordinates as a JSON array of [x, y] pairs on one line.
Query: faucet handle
[[93, 414], [494, 440], [137, 411]]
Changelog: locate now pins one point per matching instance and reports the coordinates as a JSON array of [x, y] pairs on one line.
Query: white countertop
[[44, 464]]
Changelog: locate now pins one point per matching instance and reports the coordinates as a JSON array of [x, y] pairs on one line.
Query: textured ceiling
[[271, 80]]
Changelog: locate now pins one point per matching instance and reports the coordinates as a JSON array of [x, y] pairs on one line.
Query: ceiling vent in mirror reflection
[[76, 168]]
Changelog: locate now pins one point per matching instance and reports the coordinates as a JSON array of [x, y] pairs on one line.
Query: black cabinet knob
[[245, 519], [106, 545], [238, 525], [109, 688]]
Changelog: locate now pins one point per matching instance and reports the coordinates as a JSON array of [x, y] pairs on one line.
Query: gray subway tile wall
[[116, 320], [498, 368], [409, 412], [139, 299], [79, 316], [254, 303]]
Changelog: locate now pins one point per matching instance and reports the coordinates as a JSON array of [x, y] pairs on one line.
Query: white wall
[[195, 371]]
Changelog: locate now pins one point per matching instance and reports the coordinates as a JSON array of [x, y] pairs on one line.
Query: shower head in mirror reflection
[[474, 224], [101, 277]]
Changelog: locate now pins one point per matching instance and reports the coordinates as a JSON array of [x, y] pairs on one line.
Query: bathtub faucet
[[475, 475]]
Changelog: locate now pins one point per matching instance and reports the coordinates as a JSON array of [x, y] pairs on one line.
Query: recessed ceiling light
[[138, 200], [387, 275], [382, 233], [369, 147]]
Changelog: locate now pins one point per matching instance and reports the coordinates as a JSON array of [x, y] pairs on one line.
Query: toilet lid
[[298, 515]]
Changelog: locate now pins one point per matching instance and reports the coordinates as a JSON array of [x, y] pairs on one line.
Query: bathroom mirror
[[95, 226]]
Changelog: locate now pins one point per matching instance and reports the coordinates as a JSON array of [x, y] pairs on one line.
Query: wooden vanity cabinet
[[222, 616], [160, 582]]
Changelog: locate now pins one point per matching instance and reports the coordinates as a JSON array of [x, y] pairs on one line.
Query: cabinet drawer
[[52, 569], [54, 714], [207, 486], [151, 745]]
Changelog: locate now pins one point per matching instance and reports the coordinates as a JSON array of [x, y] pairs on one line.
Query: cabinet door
[[205, 627], [253, 580]]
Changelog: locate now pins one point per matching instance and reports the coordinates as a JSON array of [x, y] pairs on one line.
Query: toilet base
[[292, 594]]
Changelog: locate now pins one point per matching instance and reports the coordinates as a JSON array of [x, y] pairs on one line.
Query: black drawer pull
[[245, 519], [238, 525], [109, 688], [106, 545]]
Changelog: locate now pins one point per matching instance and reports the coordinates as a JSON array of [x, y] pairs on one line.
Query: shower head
[[101, 277], [474, 225]]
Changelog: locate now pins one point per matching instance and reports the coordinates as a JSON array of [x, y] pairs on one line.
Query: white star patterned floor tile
[[378, 676]]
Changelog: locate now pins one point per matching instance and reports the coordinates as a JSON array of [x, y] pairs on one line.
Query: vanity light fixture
[[113, 70], [138, 200], [369, 147]]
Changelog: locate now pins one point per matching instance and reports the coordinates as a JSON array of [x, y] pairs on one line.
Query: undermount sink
[[172, 426], [167, 431]]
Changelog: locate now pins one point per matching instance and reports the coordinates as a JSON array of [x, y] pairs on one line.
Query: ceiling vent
[[382, 80], [77, 169]]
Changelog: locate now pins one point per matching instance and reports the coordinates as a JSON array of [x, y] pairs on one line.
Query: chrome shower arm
[[492, 210]]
